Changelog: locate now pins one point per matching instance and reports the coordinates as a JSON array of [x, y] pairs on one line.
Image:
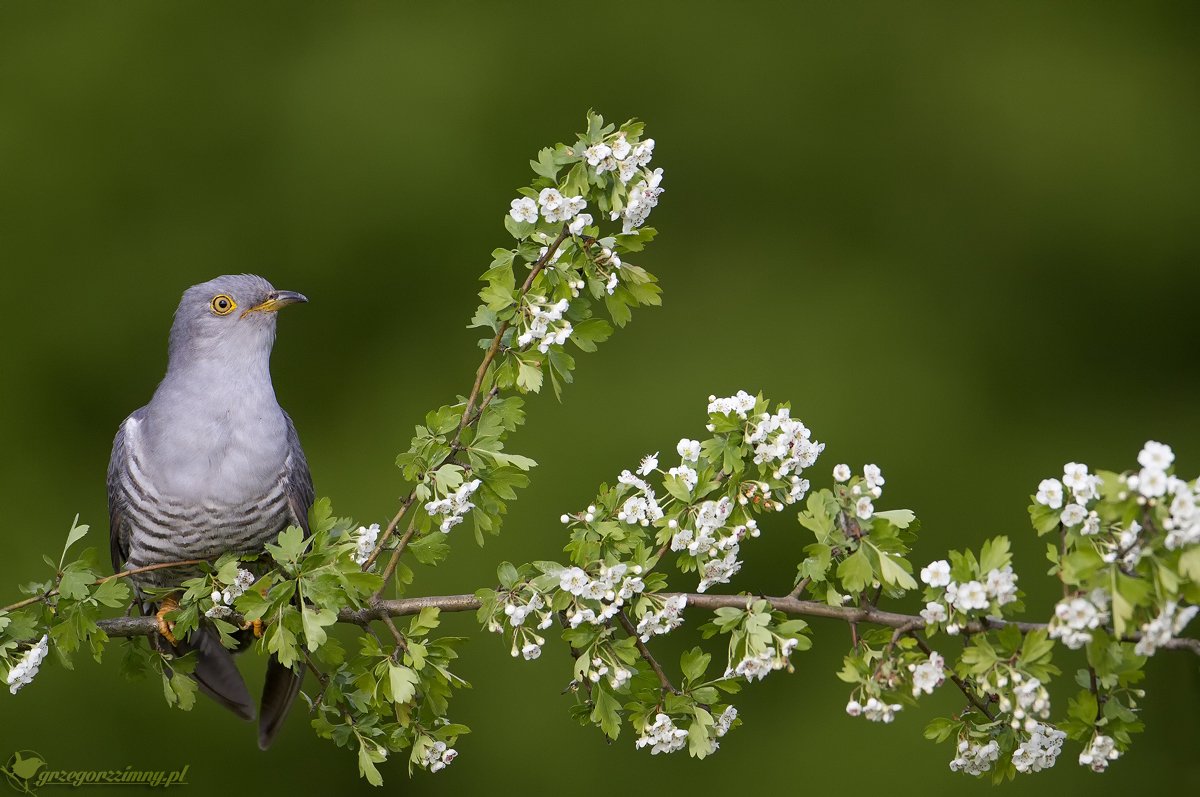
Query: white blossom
[[689, 450], [524, 209], [841, 472], [738, 404], [573, 580], [687, 475], [1040, 750], [936, 573], [928, 675], [437, 756], [579, 222], [597, 153], [664, 620], [662, 736], [649, 464], [1001, 585], [1170, 622], [933, 613], [970, 595], [864, 508], [1099, 752], [975, 759], [725, 721], [879, 711], [1050, 493], [365, 539], [1074, 618], [455, 506], [26, 668], [1156, 456], [1072, 515]]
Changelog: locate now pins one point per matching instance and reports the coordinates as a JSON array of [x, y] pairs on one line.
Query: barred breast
[[159, 527]]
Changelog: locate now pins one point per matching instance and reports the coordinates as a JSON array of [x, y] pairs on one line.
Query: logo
[[26, 772]]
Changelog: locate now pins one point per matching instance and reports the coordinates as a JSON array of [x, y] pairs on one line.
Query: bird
[[212, 465]]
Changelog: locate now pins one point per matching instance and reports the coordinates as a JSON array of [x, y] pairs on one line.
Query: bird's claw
[[255, 625], [166, 627]]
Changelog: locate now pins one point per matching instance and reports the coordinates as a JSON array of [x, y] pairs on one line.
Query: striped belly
[[167, 533]]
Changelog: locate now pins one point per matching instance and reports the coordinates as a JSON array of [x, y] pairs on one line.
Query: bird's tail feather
[[215, 673], [279, 692]]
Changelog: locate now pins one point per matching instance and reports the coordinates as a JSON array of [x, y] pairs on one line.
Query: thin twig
[[664, 682], [123, 574], [959, 682]]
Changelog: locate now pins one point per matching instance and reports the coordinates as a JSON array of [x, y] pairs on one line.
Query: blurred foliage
[[960, 237]]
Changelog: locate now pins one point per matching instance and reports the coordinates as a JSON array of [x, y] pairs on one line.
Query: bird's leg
[[255, 625], [165, 627]]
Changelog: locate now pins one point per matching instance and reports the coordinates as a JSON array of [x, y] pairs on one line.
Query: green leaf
[[892, 572], [366, 766], [76, 534], [403, 682], [113, 593], [900, 518], [606, 712], [994, 555], [693, 663], [855, 572], [529, 377], [315, 623]]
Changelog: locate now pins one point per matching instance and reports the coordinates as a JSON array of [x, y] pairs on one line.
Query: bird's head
[[230, 317]]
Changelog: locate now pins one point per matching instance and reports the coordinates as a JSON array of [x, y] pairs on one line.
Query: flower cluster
[[786, 446], [437, 756], [756, 666], [643, 198], [24, 671], [662, 736], [1076, 617], [1077, 484], [365, 539], [997, 588], [1170, 622], [661, 620], [738, 404], [928, 675], [551, 204], [1040, 751], [598, 600], [223, 598], [862, 491], [518, 606], [974, 758], [546, 324], [874, 709], [1099, 752], [454, 507]]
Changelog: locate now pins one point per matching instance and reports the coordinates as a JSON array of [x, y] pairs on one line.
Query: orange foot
[[165, 627], [256, 626]]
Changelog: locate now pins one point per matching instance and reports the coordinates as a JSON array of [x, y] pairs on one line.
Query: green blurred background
[[960, 237]]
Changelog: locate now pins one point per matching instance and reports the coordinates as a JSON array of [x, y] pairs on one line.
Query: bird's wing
[[297, 480], [118, 465], [282, 683]]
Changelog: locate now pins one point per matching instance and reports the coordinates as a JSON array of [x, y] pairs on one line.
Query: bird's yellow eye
[[223, 304]]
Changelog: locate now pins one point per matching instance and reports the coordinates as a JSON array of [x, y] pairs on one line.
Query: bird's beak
[[275, 301]]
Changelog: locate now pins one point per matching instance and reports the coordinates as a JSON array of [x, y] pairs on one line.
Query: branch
[[664, 682], [137, 626]]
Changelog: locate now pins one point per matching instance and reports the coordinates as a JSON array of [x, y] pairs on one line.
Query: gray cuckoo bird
[[211, 465]]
